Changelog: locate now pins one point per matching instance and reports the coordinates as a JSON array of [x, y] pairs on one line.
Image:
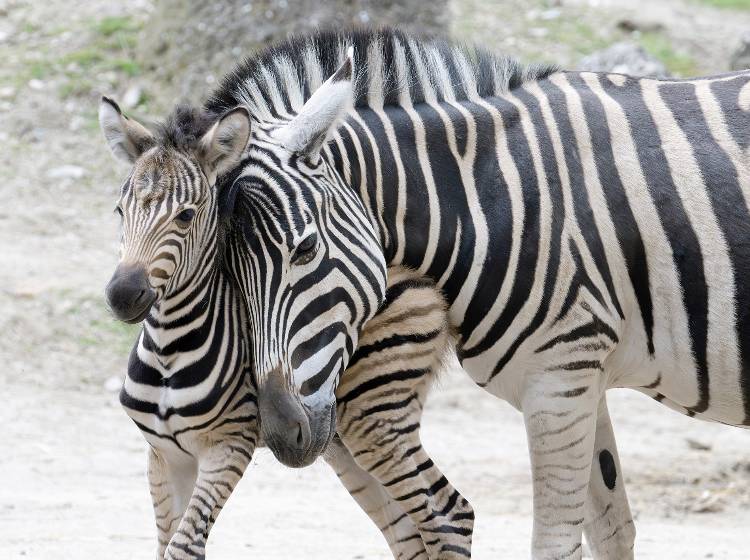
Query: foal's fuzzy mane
[[391, 68]]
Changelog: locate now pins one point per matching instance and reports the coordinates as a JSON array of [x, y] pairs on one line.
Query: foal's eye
[[118, 210], [306, 249], [185, 216]]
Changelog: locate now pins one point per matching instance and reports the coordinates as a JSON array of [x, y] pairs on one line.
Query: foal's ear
[[221, 148], [308, 131], [127, 139]]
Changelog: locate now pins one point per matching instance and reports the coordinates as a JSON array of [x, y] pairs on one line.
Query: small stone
[[36, 84], [113, 384], [66, 172], [697, 445], [552, 13], [7, 91], [708, 503], [132, 97], [642, 25]]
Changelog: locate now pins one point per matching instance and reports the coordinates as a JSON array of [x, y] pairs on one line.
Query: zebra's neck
[[429, 180], [198, 324]]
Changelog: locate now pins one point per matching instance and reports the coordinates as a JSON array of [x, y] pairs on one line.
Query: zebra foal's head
[[168, 202], [311, 265]]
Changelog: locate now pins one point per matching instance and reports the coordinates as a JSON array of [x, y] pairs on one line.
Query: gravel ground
[[74, 484]]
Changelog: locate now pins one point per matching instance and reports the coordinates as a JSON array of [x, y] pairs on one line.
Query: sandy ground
[[73, 482]]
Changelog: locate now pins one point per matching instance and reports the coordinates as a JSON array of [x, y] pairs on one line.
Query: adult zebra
[[588, 230], [189, 385]]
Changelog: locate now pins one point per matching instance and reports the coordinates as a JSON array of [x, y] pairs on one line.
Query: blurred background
[[73, 465]]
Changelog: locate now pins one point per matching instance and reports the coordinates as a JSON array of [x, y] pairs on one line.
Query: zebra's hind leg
[[609, 527], [380, 401], [559, 407], [398, 529]]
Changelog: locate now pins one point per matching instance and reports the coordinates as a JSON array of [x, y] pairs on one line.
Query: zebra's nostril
[[300, 437]]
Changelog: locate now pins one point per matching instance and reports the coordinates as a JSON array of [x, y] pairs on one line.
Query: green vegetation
[[579, 35], [96, 327], [729, 4], [112, 25], [109, 47], [659, 45]]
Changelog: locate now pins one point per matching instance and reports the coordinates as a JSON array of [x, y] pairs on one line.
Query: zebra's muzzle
[[295, 434], [129, 293]]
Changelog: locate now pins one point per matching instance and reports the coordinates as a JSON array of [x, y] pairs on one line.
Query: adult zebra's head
[[313, 270], [168, 203]]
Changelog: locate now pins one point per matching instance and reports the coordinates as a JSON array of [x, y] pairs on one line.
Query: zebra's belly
[[670, 375], [681, 390]]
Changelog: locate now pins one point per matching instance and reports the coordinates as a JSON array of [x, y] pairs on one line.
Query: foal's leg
[[221, 468], [171, 485], [227, 450], [380, 407], [398, 529], [609, 527]]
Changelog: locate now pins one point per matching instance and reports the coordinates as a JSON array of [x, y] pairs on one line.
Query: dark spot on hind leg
[[608, 468]]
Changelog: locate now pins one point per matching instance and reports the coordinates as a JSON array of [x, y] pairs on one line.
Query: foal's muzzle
[[129, 293]]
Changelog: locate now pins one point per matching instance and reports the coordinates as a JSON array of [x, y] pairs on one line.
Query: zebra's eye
[[306, 249], [118, 210], [184, 217]]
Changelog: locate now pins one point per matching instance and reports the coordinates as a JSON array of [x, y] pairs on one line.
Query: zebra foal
[[189, 385]]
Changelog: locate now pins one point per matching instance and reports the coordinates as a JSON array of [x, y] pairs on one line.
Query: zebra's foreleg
[[398, 529], [219, 470], [559, 407], [609, 527]]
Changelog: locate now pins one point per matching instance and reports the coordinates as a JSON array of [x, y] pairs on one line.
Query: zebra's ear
[[127, 139], [221, 148], [307, 132]]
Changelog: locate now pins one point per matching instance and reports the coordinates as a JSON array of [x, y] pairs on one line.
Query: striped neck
[[190, 322]]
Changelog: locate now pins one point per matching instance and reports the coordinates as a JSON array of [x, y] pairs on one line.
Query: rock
[[66, 172], [36, 84], [624, 58], [7, 91], [132, 97], [740, 59], [223, 31]]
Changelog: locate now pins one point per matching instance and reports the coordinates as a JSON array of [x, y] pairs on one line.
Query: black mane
[[184, 127], [261, 82]]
